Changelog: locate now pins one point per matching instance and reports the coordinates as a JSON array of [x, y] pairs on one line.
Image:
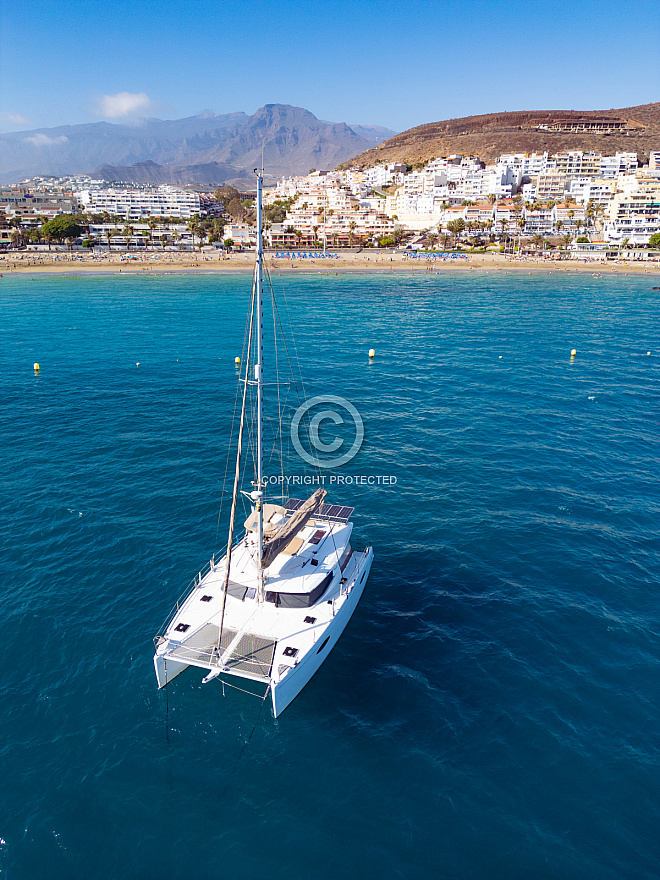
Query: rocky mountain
[[634, 129], [221, 147], [206, 175]]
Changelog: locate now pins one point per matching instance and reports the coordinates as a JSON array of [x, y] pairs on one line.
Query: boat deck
[[251, 657]]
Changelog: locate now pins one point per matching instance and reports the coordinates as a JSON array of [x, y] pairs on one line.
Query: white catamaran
[[273, 607]]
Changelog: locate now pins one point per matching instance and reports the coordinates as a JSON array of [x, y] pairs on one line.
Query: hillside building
[[136, 204]]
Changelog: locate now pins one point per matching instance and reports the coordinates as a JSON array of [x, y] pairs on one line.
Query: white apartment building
[[576, 163], [620, 163], [135, 204], [528, 191], [634, 211], [138, 235], [383, 175], [529, 164], [569, 218], [540, 221], [505, 217], [241, 234], [550, 187], [588, 189]]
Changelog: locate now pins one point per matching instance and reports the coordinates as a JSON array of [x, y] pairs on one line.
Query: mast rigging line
[[293, 372], [237, 476], [246, 331]]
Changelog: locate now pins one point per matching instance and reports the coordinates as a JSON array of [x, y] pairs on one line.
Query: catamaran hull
[[167, 669], [285, 691]]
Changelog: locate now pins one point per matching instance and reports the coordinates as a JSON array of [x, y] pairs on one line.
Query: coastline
[[371, 262]]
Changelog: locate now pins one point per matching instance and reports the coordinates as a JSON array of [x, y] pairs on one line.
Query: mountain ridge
[[292, 140], [491, 134]]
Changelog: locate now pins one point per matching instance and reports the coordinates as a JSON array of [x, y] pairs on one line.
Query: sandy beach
[[372, 262]]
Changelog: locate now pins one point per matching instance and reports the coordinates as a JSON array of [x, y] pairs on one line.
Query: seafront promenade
[[371, 262]]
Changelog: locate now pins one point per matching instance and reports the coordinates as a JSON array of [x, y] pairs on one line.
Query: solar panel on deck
[[332, 512]]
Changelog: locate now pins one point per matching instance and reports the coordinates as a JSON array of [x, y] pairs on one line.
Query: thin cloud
[[43, 140], [14, 119], [124, 104]]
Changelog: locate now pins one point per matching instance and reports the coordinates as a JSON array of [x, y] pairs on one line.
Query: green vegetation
[[276, 213], [61, 227], [654, 240]]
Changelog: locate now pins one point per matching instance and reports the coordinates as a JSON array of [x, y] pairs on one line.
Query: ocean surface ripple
[[490, 713]]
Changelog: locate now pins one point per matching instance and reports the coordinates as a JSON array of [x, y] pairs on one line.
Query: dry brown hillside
[[634, 129]]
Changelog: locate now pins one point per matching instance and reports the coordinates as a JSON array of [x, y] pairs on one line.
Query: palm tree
[[128, 235], [193, 226], [351, 231], [152, 224]]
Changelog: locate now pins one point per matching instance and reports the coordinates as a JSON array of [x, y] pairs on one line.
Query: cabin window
[[300, 600], [345, 557]]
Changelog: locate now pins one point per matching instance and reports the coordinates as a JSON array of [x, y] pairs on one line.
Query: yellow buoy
[[36, 367], [573, 352], [372, 352], [237, 360]]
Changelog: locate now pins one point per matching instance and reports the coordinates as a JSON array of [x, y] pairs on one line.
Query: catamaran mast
[[258, 375]]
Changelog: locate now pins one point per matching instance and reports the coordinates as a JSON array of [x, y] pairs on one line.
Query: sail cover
[[290, 529]]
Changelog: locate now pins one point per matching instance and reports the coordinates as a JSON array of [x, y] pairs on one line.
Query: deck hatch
[[182, 627], [290, 652], [206, 598]]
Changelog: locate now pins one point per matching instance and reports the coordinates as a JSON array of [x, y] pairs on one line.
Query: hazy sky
[[396, 64]]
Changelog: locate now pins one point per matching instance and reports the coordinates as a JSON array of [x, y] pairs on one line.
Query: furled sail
[[290, 529]]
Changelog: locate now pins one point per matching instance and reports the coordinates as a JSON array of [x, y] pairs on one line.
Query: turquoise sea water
[[492, 709]]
